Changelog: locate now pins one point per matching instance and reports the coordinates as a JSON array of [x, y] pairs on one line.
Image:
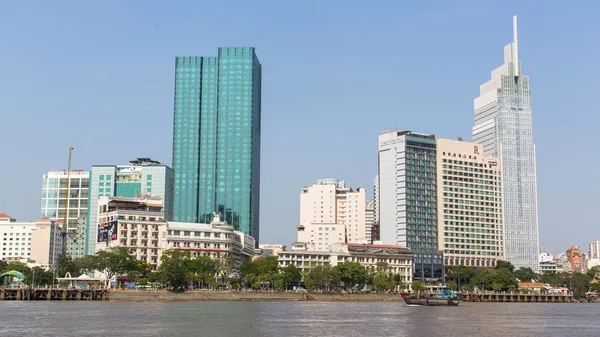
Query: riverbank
[[203, 295]]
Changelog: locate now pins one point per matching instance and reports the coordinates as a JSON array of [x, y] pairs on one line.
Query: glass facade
[[503, 124], [216, 138], [407, 206]]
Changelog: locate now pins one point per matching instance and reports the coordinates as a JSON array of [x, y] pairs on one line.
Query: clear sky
[[98, 75]]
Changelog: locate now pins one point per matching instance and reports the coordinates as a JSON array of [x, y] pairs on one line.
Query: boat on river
[[445, 297]]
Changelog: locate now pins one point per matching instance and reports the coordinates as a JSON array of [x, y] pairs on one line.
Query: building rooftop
[[144, 161], [532, 284], [4, 216], [374, 246]]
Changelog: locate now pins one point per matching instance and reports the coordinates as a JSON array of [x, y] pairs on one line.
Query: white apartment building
[[328, 203], [36, 243], [398, 259], [469, 195]]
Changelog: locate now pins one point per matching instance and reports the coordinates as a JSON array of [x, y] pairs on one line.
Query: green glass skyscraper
[[216, 138]]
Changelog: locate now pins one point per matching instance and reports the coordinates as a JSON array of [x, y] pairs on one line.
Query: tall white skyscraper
[[503, 125]]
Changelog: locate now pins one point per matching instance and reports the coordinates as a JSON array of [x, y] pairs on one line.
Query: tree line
[[504, 277]]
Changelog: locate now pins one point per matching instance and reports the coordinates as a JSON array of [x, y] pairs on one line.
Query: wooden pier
[[52, 294], [517, 298]]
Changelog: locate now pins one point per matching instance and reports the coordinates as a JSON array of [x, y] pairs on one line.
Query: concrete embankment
[[164, 295]]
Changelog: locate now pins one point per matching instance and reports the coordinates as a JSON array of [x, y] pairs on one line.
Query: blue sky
[[99, 76]]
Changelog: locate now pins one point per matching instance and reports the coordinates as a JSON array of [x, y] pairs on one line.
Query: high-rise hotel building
[[407, 202], [216, 138], [503, 125], [469, 205]]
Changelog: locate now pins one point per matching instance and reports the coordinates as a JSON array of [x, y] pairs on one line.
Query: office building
[[375, 230], [469, 198], [369, 220], [38, 242], [330, 212], [407, 203], [142, 177], [398, 260], [55, 185], [216, 138], [503, 125]]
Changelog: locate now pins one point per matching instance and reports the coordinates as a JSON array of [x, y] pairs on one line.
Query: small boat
[[444, 298]]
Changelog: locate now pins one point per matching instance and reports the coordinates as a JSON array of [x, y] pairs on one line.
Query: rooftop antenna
[[515, 51]]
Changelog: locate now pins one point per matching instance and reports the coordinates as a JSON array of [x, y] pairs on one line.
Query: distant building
[[54, 196], [407, 204], [329, 205], [574, 256], [547, 263], [469, 195], [369, 219], [38, 242], [397, 260], [46, 242], [271, 249], [142, 177], [595, 249], [375, 229], [76, 239]]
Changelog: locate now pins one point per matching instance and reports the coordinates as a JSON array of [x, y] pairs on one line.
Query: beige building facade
[[398, 260], [470, 222], [327, 206]]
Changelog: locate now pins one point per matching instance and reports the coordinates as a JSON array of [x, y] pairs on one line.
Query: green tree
[[460, 273], [483, 280], [291, 275], [497, 286], [348, 274], [86, 264], [505, 264], [419, 286], [65, 264], [452, 285], [594, 272], [267, 269], [202, 270], [507, 279], [321, 276], [174, 268], [526, 275], [579, 284], [115, 261], [383, 282], [224, 266]]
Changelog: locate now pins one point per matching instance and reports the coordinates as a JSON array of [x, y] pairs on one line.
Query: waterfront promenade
[[52, 294]]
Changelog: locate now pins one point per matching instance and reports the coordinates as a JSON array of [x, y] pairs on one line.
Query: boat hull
[[431, 302]]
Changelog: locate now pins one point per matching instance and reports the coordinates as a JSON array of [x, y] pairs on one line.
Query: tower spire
[[515, 49]]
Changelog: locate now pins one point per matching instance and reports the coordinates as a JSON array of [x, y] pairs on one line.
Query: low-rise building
[[575, 258], [38, 243], [215, 240], [547, 263], [138, 224], [398, 260], [271, 249]]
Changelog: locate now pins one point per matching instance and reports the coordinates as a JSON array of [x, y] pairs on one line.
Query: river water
[[295, 319]]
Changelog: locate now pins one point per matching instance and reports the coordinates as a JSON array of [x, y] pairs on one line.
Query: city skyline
[[460, 43]]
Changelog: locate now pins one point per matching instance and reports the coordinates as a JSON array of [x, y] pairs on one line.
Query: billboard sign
[[107, 231]]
